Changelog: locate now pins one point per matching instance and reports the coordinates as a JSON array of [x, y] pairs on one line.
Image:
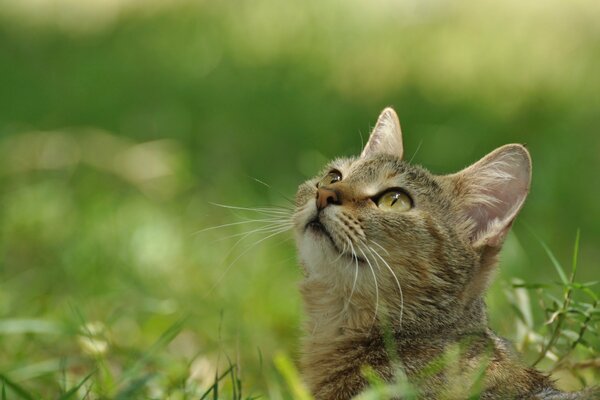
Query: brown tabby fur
[[418, 276]]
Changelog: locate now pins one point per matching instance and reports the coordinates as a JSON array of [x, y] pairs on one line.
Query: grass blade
[[215, 386], [165, 338], [232, 375], [216, 391], [19, 326], [131, 390], [16, 388], [290, 374], [555, 263], [575, 255], [74, 389]]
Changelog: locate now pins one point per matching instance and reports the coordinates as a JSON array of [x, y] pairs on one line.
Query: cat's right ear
[[492, 191], [386, 137]]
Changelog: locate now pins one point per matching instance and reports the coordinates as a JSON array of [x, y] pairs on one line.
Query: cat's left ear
[[386, 137], [492, 191]]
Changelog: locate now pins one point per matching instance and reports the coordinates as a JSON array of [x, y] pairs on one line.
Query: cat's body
[[396, 264], [334, 369]]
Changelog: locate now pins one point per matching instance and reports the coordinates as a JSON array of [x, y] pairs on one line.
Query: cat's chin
[[315, 227], [319, 249]]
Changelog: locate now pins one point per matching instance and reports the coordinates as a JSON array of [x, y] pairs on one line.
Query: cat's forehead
[[381, 167]]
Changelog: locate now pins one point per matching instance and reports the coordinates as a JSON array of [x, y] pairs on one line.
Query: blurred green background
[[122, 120]]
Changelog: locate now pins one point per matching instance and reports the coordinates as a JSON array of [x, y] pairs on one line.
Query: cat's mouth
[[316, 226]]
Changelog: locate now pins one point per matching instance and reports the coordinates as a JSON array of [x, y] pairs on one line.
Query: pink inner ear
[[496, 188]]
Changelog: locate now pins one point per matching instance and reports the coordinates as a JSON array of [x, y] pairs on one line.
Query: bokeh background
[[121, 121]]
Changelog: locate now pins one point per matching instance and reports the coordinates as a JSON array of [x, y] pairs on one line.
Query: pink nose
[[326, 197]]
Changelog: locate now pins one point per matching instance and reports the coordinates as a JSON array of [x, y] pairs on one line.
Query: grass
[[572, 321], [565, 342], [121, 122], [568, 339]]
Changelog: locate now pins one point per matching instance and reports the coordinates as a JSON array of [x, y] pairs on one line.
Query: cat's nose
[[326, 197]]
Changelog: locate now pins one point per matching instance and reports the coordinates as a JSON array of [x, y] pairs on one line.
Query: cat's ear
[[492, 191], [386, 137]]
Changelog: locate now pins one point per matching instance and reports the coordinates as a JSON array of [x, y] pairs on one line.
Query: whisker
[[250, 221], [257, 230], [240, 240], [341, 254], [380, 246], [346, 304], [349, 301], [273, 189], [264, 210], [355, 256], [416, 151], [366, 247], [395, 278], [281, 230], [376, 287]]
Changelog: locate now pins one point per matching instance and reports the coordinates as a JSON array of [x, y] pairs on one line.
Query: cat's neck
[[344, 352], [345, 356], [330, 315]]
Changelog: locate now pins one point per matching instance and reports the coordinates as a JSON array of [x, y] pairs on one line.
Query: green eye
[[395, 200], [332, 177]]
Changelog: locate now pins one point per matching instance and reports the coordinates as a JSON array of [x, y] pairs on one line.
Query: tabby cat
[[397, 261]]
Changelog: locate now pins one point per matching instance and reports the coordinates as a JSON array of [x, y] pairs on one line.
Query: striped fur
[[416, 277]]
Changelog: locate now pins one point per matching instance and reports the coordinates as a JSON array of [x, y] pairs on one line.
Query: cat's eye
[[394, 200], [332, 177]]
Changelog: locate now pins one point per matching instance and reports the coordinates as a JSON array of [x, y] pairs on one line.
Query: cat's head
[[376, 234]]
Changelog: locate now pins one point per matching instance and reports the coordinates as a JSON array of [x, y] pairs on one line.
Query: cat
[[396, 263]]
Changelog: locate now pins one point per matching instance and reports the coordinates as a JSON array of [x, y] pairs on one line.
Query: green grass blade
[[590, 293], [131, 390], [232, 375], [260, 359], [290, 374], [575, 255], [165, 338], [216, 391], [105, 379], [35, 369], [3, 391], [530, 286], [71, 392], [16, 388], [20, 326], [555, 263], [208, 391], [215, 386]]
